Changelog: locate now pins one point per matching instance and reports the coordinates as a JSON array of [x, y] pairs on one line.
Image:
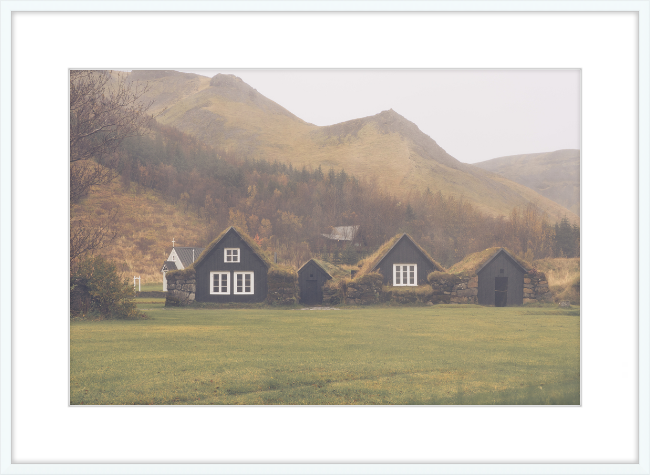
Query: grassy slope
[[386, 146], [441, 355], [555, 175], [562, 274], [152, 223]]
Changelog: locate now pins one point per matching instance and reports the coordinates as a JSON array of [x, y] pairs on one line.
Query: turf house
[[499, 276], [232, 269], [179, 258], [401, 262]]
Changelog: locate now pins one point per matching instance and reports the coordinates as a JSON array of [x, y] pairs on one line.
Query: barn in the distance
[[402, 262], [231, 269]]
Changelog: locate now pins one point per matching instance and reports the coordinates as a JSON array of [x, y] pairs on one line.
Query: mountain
[[555, 175], [230, 115]]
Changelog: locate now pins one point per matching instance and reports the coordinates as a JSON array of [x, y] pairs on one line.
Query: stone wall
[[536, 288], [181, 289], [365, 290], [448, 288], [332, 295], [283, 288]]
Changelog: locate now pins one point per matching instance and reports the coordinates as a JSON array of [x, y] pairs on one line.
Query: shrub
[[96, 280]]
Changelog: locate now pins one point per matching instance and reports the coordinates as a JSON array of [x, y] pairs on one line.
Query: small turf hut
[[500, 276], [232, 269], [311, 278], [401, 262]]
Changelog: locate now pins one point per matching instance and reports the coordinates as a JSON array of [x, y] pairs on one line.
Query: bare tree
[[105, 109]]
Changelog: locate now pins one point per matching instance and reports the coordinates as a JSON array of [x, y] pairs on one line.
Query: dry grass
[[147, 224], [394, 159], [472, 262], [563, 276]]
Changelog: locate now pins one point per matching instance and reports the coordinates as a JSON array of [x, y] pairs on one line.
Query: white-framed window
[[244, 283], [231, 254], [219, 283], [405, 274]]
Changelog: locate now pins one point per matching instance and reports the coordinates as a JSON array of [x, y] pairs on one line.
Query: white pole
[[139, 283]]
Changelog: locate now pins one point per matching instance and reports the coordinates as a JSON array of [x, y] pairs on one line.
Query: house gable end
[[312, 264], [402, 241], [509, 256]]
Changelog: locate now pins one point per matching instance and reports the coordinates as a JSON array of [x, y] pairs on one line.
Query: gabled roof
[[188, 255], [512, 258], [320, 264], [372, 262], [244, 237], [472, 263], [168, 265], [342, 233]]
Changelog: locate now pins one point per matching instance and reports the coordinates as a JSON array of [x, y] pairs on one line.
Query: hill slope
[[555, 175], [228, 114]]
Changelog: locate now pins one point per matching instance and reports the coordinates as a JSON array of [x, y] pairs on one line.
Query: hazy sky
[[474, 115]]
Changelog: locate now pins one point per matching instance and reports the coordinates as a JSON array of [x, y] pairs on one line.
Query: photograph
[[325, 237]]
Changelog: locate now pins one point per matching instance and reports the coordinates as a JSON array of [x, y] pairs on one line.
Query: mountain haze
[[228, 114], [555, 175]]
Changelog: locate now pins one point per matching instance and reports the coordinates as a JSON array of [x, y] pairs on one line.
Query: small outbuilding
[[311, 278], [401, 262], [500, 276]]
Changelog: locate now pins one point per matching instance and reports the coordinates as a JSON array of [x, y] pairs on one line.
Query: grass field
[[419, 355]]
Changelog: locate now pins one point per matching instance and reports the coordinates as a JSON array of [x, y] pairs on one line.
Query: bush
[[97, 284]]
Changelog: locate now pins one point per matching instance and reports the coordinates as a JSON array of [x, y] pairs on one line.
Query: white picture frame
[[341, 438]]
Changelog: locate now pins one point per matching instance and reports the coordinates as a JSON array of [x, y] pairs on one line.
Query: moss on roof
[[473, 262], [335, 271], [245, 237], [370, 262]]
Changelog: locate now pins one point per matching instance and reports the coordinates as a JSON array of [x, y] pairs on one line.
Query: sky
[[475, 115]]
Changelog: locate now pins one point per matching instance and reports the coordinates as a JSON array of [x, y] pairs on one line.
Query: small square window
[[500, 271], [231, 255]]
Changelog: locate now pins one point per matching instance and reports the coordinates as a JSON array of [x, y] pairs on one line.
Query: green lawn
[[446, 354]]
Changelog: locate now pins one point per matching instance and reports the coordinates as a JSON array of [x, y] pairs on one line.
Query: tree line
[[288, 209]]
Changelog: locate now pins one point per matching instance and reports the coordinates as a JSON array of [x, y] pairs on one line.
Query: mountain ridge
[[228, 114]]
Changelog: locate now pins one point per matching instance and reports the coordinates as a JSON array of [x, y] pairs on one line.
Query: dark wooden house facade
[[230, 270], [311, 278], [501, 281], [405, 264]]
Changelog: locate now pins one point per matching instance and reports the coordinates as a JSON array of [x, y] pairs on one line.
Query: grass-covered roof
[[473, 262], [245, 237], [334, 271], [370, 263]]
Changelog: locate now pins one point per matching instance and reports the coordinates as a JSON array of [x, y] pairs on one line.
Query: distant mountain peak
[[227, 80], [235, 89]]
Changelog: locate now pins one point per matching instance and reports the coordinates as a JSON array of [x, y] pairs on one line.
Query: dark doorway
[[311, 292], [500, 291]]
